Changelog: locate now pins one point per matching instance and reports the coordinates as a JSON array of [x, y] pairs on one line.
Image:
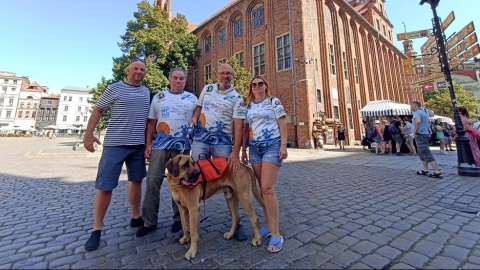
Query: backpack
[[373, 133], [392, 128]]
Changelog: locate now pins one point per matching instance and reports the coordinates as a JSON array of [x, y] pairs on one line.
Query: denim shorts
[[448, 139], [378, 140], [111, 163], [265, 154], [201, 150], [423, 148]]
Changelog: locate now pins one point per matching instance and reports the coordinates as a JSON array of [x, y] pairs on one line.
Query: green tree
[[440, 102], [241, 79], [97, 92]]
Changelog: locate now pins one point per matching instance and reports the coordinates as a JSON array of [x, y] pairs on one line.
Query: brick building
[[325, 59]]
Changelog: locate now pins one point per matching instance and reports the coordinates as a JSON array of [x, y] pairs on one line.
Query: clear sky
[[62, 43]]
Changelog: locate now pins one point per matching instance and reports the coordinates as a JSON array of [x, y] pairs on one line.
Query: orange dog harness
[[210, 170]]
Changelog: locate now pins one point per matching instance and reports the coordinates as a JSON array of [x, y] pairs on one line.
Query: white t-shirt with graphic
[[219, 108], [262, 118], [172, 111]]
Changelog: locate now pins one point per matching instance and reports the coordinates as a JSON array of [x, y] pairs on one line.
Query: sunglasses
[[259, 84], [137, 59]]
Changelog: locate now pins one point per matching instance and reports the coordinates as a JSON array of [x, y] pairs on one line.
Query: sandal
[[436, 175], [275, 242], [422, 172], [265, 232]]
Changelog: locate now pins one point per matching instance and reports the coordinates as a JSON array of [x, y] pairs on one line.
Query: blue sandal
[[275, 242], [265, 232]]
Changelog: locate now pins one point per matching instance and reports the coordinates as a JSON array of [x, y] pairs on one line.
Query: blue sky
[[71, 43]]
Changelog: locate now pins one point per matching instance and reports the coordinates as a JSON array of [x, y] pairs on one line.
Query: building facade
[[325, 59], [28, 104], [47, 113], [74, 107], [10, 86]]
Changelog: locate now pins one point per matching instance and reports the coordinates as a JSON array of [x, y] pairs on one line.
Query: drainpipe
[[314, 59], [293, 79]]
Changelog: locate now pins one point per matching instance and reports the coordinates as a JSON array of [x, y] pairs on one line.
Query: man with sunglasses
[[129, 102], [220, 110]]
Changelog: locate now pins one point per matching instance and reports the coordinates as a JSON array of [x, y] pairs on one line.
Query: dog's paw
[[228, 235], [184, 240], [190, 254], [256, 242]]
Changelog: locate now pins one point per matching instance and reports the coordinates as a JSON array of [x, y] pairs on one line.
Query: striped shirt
[[129, 105]]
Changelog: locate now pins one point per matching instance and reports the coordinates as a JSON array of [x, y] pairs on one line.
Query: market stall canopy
[[51, 127], [385, 108], [445, 119]]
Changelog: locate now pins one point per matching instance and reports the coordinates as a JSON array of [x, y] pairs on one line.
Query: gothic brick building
[[323, 58]]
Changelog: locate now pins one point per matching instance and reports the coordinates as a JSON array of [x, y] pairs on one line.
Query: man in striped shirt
[[124, 142]]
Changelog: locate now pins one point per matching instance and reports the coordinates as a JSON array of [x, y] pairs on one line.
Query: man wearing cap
[[129, 102]]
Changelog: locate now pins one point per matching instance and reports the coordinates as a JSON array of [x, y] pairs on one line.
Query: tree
[[97, 92], [441, 103], [242, 77]]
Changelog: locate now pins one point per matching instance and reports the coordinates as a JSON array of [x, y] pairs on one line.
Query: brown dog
[[236, 187]]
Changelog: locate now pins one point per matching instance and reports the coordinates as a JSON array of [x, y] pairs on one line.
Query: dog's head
[[181, 169]]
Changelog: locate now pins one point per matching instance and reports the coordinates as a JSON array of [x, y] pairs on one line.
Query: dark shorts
[[423, 148], [399, 139], [111, 163]]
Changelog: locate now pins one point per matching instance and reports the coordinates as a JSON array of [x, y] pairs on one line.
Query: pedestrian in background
[[439, 135], [422, 139], [387, 137], [447, 134], [266, 132], [341, 136], [409, 136], [124, 142]]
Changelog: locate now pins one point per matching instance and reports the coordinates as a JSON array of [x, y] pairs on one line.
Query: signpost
[[416, 34], [467, 30], [448, 20], [462, 46], [465, 56]]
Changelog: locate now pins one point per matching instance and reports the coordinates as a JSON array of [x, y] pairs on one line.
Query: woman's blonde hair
[[251, 96]]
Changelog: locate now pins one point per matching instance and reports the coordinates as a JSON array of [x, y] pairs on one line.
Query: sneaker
[[399, 154], [176, 226], [239, 234], [443, 152], [136, 222], [144, 231]]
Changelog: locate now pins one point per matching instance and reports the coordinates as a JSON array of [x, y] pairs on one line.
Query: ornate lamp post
[[466, 163]]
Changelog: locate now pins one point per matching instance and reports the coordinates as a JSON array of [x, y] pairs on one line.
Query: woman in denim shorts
[[266, 131]]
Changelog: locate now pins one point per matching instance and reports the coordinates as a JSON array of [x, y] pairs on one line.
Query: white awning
[[445, 119], [385, 108]]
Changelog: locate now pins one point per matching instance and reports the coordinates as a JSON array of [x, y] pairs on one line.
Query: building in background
[[10, 86], [28, 104], [47, 113], [73, 108], [323, 59]]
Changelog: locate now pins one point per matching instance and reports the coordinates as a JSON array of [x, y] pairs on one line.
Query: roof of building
[[35, 87], [53, 96], [361, 6], [76, 88]]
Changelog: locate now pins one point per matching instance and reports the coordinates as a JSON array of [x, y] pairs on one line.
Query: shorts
[[399, 139], [409, 138], [448, 139], [265, 154], [111, 163], [423, 148], [378, 140], [201, 150]]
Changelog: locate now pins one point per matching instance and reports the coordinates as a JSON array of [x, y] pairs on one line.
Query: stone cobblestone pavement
[[338, 209]]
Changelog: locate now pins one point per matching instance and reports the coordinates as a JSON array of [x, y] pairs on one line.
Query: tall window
[[238, 27], [355, 69], [70, 98], [336, 113], [85, 119], [2, 100], [221, 36], [19, 115], [239, 56], [350, 118], [5, 80], [4, 90], [284, 52], [34, 114], [259, 59], [64, 118], [14, 89], [345, 65], [86, 109], [65, 109], [27, 114], [80, 99], [195, 81], [348, 95], [77, 119], [222, 61], [10, 102], [49, 102], [257, 17], [79, 109], [319, 95], [208, 44], [208, 73], [65, 98], [8, 114], [331, 55]]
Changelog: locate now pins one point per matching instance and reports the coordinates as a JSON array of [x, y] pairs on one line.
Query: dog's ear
[[172, 167]]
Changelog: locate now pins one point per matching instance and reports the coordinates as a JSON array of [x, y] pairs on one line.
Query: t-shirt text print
[[219, 108], [262, 118], [129, 105], [172, 111]]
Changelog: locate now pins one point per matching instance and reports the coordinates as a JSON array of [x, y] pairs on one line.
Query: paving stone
[[376, 261], [271, 264], [359, 265], [346, 258], [402, 266], [325, 239], [27, 263], [317, 259], [364, 247], [427, 248], [299, 264], [412, 236], [463, 242], [305, 236], [388, 252], [65, 260], [414, 259], [440, 262], [456, 252], [471, 266], [349, 240], [329, 266]]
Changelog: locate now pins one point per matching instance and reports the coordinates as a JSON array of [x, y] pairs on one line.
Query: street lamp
[[466, 163]]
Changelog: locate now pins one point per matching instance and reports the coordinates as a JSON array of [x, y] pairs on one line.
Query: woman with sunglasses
[[266, 132]]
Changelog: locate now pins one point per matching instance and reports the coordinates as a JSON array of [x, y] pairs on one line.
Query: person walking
[[168, 118], [124, 142], [469, 133], [379, 147], [341, 136], [396, 129], [409, 136], [266, 133], [219, 110], [440, 136], [447, 134], [422, 139]]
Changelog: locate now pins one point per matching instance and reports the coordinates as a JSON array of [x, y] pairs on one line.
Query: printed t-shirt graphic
[[262, 118], [172, 111], [219, 108]]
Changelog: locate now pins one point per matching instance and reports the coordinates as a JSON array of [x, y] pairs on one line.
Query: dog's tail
[[255, 191]]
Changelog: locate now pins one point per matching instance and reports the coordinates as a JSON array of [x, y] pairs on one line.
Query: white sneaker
[[443, 152]]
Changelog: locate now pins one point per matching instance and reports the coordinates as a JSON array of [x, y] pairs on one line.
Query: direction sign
[[432, 69], [448, 20], [413, 70], [467, 30], [464, 56], [428, 87], [462, 46], [407, 62], [471, 66], [431, 60], [416, 34], [441, 84], [428, 79]]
